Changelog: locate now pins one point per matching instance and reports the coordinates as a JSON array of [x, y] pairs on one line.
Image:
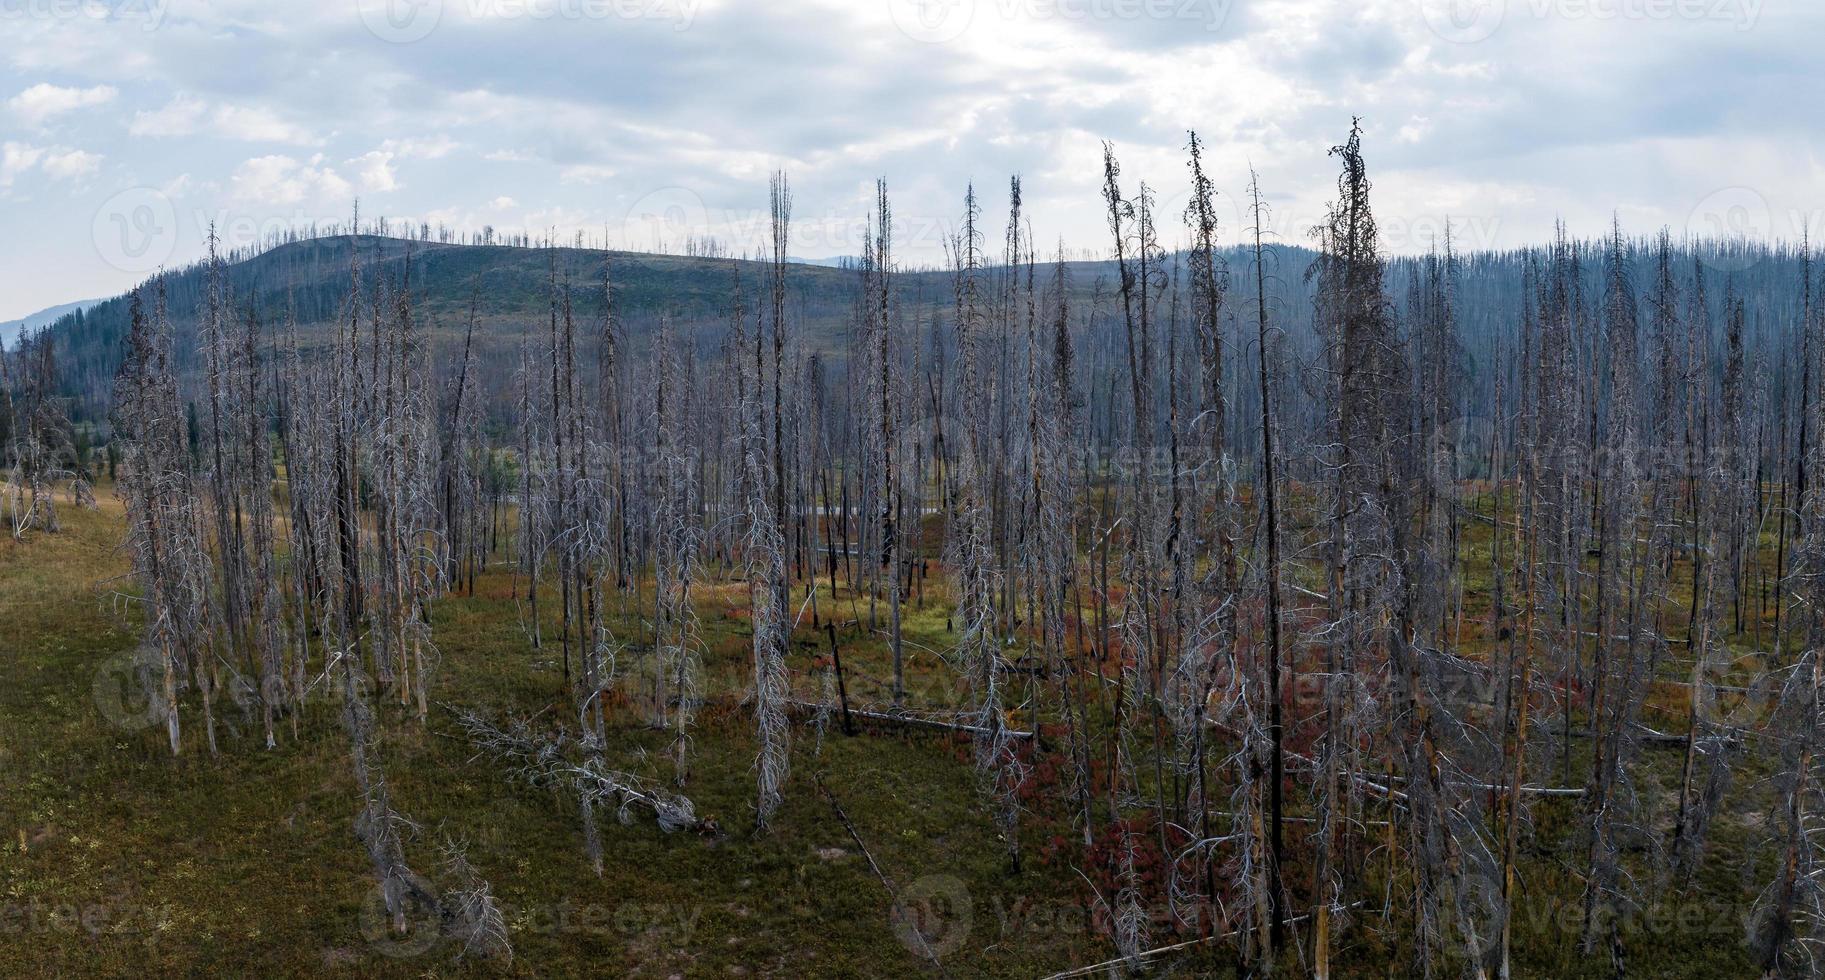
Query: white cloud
[[185, 115], [1454, 128], [57, 163], [44, 101], [375, 171], [285, 181], [15, 159], [179, 117], [426, 148], [586, 173], [71, 164], [259, 126]]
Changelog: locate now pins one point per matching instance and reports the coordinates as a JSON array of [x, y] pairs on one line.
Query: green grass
[[118, 860], [246, 864]]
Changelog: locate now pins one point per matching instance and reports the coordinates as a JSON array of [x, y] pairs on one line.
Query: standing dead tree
[[164, 536], [238, 474], [1141, 655], [1268, 846], [1790, 912], [765, 544], [675, 554], [1208, 641], [11, 454], [1354, 324], [1728, 506], [1626, 560], [463, 462], [878, 301]]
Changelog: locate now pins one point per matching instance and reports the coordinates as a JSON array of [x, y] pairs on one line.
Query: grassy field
[[117, 860]]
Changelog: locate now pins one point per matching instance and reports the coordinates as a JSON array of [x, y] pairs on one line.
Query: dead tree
[[1141, 655], [1709, 747], [880, 319], [1625, 558], [164, 535], [1357, 336], [675, 556], [1272, 854], [765, 544]]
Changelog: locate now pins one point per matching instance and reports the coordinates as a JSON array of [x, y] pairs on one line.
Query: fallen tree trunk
[[1162, 951], [902, 719]]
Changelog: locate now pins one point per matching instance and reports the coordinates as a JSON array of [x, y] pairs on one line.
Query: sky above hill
[[127, 127]]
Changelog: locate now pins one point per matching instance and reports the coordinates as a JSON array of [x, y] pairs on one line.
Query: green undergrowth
[[117, 859]]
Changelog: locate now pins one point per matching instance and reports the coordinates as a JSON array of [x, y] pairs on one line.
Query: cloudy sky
[[128, 126]]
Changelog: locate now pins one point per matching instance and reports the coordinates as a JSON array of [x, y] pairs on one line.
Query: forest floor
[[118, 860]]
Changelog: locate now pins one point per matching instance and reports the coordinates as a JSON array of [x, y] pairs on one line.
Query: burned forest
[[1221, 605]]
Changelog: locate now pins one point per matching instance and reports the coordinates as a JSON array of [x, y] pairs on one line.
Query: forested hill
[[508, 289], [506, 286]]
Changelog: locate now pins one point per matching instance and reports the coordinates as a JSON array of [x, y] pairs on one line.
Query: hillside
[[12, 330], [509, 288]]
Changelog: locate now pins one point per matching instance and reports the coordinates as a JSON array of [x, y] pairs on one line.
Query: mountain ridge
[[507, 287]]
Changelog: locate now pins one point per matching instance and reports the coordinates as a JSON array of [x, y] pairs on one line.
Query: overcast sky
[[126, 126]]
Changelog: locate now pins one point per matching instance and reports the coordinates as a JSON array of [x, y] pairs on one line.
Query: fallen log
[[891, 718], [1154, 954]]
